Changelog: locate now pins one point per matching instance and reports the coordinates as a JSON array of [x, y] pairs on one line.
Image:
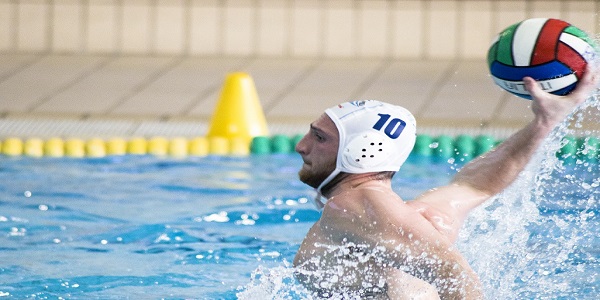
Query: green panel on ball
[[491, 57], [505, 45]]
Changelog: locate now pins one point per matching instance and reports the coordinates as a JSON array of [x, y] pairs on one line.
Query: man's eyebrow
[[315, 128]]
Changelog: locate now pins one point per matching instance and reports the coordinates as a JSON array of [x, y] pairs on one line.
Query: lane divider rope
[[464, 147]]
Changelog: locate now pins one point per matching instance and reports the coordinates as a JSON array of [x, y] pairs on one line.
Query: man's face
[[318, 149]]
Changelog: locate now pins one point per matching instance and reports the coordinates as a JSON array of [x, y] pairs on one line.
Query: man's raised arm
[[492, 172]]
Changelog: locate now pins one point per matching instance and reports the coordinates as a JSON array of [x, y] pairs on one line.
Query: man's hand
[[551, 109]]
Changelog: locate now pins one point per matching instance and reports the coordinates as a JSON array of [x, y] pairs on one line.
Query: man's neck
[[345, 181]]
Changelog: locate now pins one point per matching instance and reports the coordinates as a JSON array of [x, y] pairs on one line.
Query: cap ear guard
[[366, 151]]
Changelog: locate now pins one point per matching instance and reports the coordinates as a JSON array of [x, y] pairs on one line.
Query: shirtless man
[[371, 244]]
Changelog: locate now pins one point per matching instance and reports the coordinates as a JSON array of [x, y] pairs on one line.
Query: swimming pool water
[[143, 227]]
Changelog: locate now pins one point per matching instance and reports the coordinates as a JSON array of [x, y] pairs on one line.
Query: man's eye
[[319, 137]]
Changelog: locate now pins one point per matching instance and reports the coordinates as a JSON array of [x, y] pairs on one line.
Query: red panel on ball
[[571, 58], [546, 45]]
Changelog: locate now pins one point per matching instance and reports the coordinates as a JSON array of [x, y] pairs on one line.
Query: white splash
[[277, 283]]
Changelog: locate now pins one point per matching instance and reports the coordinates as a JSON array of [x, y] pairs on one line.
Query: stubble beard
[[314, 178]]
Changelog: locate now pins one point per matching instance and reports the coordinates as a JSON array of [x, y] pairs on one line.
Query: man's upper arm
[[419, 249], [447, 207]]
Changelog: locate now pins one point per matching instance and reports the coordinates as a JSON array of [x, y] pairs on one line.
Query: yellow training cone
[[238, 113]]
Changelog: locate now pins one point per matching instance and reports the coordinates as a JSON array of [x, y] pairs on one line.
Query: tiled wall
[[289, 28]]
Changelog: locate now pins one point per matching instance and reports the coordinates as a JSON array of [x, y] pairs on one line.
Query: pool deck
[[106, 96]]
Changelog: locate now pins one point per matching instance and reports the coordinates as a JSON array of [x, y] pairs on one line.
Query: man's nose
[[301, 145]]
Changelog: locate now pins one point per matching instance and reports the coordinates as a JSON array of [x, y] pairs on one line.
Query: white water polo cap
[[374, 137]]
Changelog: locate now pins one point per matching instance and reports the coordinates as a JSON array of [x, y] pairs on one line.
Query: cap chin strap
[[317, 201]]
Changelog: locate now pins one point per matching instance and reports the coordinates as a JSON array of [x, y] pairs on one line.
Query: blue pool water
[[226, 228]]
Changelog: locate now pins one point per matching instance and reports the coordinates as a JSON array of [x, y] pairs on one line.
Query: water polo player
[[371, 244]]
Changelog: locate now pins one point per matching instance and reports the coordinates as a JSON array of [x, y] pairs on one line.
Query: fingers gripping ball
[[551, 51]]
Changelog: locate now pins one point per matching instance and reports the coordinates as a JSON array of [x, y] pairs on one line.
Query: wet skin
[[368, 240]]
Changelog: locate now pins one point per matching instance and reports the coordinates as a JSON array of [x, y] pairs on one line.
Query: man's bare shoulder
[[369, 209], [370, 201], [439, 219], [447, 207]]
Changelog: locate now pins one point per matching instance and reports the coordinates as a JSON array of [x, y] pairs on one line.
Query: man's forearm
[[494, 172], [497, 169]]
